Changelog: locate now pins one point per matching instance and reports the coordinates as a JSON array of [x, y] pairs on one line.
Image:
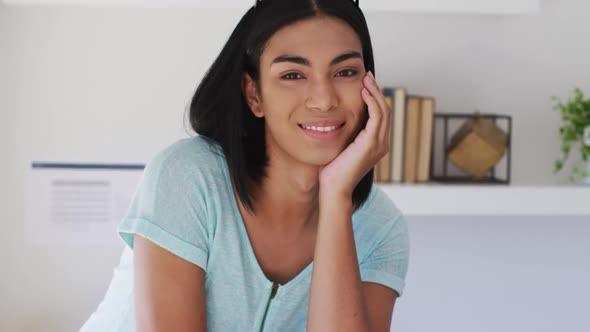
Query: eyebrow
[[303, 61]]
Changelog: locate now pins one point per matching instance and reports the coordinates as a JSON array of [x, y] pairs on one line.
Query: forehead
[[319, 37]]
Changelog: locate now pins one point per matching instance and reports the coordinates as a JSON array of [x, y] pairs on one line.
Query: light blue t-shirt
[[185, 204]]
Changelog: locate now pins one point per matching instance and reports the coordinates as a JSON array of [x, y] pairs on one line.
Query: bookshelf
[[489, 200]]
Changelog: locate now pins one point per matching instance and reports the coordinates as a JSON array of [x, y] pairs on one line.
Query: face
[[310, 86]]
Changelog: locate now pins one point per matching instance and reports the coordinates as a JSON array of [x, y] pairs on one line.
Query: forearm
[[336, 298]]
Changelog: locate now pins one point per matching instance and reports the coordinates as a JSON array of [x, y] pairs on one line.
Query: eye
[[347, 73], [292, 76]]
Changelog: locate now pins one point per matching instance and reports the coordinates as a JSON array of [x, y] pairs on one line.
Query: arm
[[169, 291], [339, 301], [380, 302]]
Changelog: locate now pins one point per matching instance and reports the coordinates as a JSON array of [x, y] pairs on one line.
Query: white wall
[[111, 85]]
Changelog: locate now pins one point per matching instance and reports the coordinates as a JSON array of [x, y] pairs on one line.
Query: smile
[[322, 130]]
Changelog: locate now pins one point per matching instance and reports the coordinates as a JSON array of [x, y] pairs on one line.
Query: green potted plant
[[574, 130]]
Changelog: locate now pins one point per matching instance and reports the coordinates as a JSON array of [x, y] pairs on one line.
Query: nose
[[321, 95]]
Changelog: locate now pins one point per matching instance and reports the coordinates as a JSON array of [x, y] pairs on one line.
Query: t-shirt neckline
[[244, 234]]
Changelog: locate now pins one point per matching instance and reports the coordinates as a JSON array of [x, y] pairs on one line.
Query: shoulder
[[187, 156], [379, 208], [383, 243], [189, 150], [171, 204], [377, 221]]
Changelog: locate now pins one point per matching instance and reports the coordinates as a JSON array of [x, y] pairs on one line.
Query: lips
[[324, 123]]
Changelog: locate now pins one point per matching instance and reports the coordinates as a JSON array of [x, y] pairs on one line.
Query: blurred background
[[110, 83]]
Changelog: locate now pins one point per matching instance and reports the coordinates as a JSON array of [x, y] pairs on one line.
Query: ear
[[250, 91]]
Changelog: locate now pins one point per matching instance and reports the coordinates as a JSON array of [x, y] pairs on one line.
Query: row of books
[[409, 158]]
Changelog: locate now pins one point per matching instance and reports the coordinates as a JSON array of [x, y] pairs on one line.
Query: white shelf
[[489, 200]]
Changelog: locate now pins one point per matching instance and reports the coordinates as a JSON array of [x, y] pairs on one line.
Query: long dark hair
[[219, 110]]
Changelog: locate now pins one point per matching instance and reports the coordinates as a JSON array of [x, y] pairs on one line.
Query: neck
[[287, 198]]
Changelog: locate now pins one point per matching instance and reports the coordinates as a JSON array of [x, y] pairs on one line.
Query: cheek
[[279, 99], [358, 108], [351, 96]]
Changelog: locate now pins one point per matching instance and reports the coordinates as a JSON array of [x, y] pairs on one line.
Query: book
[[425, 140], [397, 144], [385, 162], [411, 137]]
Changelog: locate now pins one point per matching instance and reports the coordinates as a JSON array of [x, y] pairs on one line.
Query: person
[[267, 219]]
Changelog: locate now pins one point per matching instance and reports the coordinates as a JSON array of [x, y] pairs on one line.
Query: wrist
[[335, 188], [339, 198]]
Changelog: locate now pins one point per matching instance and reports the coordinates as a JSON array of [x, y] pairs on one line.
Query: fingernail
[[371, 74]]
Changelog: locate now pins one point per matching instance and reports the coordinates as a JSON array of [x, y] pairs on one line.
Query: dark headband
[[259, 2]]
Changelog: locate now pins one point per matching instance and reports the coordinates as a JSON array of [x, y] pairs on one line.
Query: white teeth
[[322, 129]]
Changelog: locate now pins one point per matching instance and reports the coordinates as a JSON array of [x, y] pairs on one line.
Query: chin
[[320, 157]]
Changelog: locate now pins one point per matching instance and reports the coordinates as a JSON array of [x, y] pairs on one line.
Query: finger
[[386, 122], [384, 108], [376, 91], [383, 136], [375, 115]]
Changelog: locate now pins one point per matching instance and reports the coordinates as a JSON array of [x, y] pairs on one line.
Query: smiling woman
[[269, 213]]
